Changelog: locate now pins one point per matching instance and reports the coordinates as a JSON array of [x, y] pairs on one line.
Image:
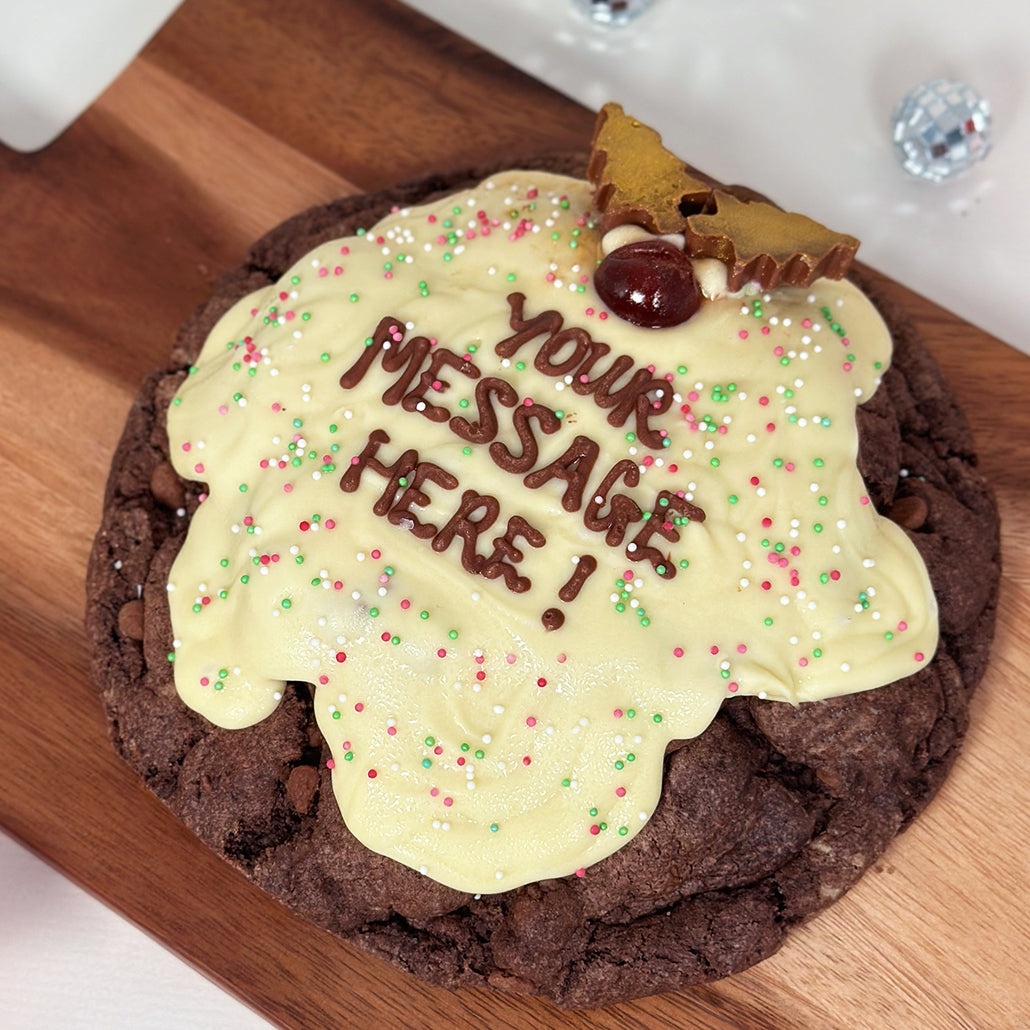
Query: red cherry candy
[[649, 283]]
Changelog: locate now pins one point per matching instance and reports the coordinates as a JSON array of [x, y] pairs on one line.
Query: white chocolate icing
[[468, 740]]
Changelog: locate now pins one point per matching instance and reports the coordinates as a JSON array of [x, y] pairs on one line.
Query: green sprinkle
[[374, 612], [287, 603], [453, 634]]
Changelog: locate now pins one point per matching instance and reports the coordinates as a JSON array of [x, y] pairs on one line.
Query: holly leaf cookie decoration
[[637, 180], [765, 244]]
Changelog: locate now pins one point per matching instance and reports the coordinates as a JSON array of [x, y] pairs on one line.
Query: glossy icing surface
[[517, 544]]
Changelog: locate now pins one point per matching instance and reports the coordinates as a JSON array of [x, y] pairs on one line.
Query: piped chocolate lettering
[[463, 525]]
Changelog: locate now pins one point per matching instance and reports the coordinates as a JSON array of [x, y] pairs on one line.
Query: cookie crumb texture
[[767, 817]]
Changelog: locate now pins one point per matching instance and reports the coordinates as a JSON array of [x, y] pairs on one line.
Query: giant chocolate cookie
[[766, 817]]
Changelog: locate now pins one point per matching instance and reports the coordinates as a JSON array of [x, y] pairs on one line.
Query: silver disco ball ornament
[[941, 129], [612, 13]]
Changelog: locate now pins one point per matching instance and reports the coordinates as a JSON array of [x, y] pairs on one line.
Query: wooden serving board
[[238, 115]]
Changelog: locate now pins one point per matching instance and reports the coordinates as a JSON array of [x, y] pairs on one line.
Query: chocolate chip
[[909, 512], [166, 486], [130, 620], [301, 786]]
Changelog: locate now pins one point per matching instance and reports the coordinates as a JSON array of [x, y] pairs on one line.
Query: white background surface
[[792, 97]]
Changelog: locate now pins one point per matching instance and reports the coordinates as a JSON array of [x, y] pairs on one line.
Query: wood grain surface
[[237, 115]]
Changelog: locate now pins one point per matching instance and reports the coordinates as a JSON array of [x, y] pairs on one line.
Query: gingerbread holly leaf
[[636, 179], [761, 243]]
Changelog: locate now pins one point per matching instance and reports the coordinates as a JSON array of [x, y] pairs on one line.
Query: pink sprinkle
[[742, 334], [531, 721], [902, 626], [595, 829], [204, 681], [222, 409], [405, 605], [678, 652], [287, 488], [617, 713], [338, 585], [329, 524], [345, 250], [510, 659], [391, 730], [802, 662], [448, 802], [330, 764], [561, 658], [323, 679], [919, 656], [441, 653], [341, 656], [372, 774], [741, 648], [186, 446], [733, 687], [198, 467], [323, 272], [863, 499], [620, 792], [376, 553], [434, 792], [359, 707], [714, 649], [581, 873]]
